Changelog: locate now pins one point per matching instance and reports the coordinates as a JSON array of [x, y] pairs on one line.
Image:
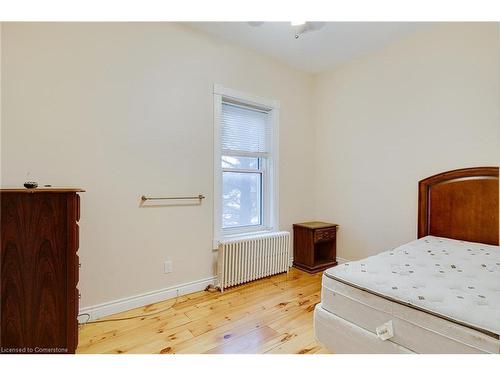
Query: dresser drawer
[[325, 234]]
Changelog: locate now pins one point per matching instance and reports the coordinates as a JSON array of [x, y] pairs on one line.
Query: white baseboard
[[128, 303], [342, 260]]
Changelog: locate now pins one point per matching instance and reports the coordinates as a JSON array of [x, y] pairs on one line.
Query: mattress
[[440, 295]]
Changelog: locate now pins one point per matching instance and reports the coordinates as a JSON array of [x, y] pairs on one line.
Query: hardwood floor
[[272, 315]]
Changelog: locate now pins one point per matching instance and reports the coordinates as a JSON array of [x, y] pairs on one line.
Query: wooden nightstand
[[314, 246]]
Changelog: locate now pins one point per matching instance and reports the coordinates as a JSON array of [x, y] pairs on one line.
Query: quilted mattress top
[[456, 280]]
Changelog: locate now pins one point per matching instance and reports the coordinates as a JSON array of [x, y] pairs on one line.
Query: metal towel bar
[[145, 198]]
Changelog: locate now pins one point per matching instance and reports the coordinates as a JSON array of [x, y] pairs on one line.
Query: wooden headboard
[[460, 204]]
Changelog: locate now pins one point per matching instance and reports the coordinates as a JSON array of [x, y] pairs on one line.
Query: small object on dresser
[[31, 185], [314, 246]]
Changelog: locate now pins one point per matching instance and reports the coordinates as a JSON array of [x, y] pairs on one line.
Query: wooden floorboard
[[271, 315]]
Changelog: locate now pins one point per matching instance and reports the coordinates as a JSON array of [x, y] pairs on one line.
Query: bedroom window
[[245, 141]]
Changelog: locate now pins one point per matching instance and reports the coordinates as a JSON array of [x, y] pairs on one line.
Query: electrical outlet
[[168, 266]]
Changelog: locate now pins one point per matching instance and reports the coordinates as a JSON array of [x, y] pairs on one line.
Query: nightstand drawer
[[326, 234]]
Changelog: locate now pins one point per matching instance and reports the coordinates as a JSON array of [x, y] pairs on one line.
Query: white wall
[[125, 109], [424, 105]]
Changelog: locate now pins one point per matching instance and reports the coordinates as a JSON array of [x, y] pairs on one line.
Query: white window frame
[[270, 185]]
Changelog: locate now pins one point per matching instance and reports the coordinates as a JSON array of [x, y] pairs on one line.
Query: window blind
[[244, 129]]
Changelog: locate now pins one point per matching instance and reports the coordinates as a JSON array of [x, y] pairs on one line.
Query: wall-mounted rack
[[146, 198]]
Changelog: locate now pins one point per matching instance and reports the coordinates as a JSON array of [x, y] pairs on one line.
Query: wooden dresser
[[39, 270], [314, 246]]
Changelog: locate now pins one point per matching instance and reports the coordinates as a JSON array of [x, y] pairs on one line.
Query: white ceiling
[[314, 51]]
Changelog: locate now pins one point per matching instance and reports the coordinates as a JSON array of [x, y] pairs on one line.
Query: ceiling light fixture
[[302, 27], [298, 27]]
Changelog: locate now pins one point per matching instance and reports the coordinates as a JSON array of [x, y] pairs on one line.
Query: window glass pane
[[241, 200], [240, 162]]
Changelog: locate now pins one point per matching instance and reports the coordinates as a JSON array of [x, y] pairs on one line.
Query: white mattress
[[442, 295]]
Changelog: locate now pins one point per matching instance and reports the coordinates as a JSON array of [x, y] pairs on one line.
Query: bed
[[437, 294]]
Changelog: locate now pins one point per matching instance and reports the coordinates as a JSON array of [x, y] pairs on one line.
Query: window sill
[[216, 241]]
